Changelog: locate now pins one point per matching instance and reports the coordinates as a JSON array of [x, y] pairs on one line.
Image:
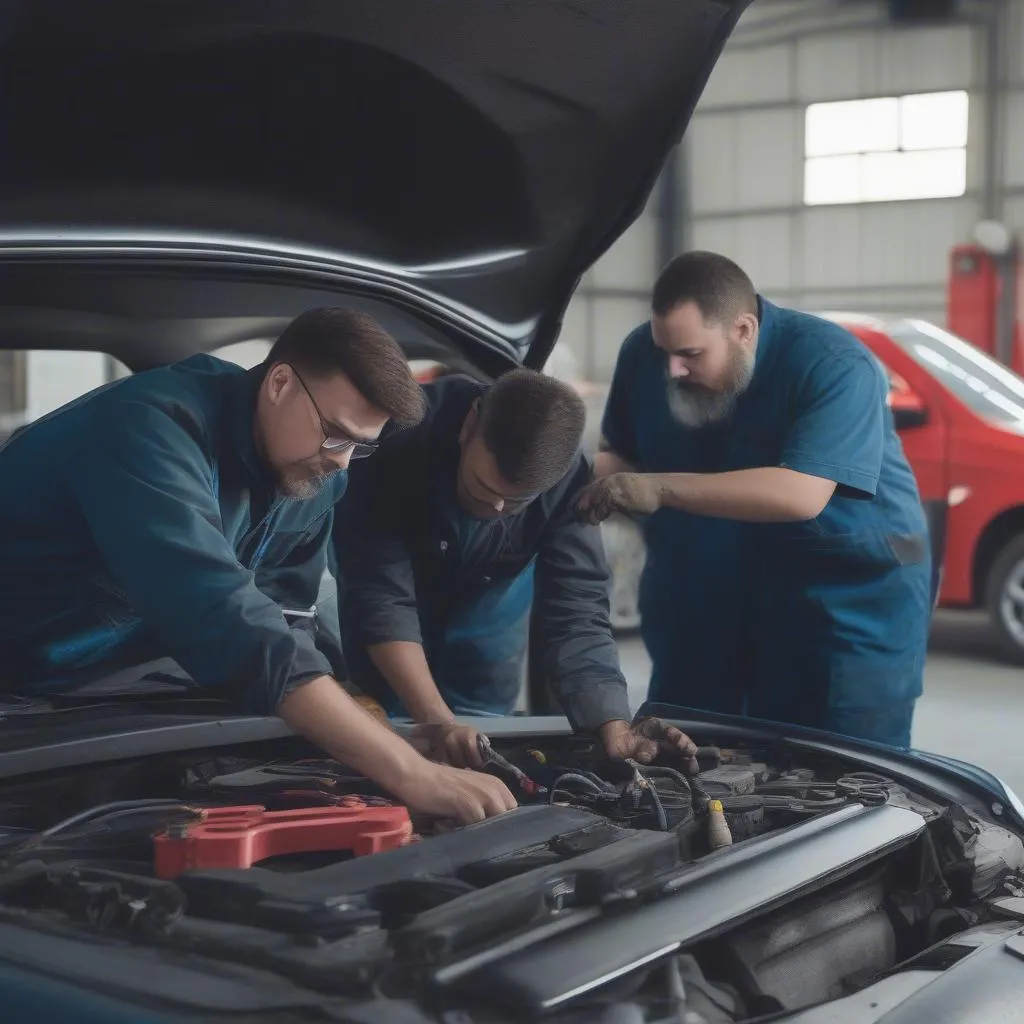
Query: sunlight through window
[[888, 149]]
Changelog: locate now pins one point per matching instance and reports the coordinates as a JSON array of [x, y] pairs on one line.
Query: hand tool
[[490, 756]]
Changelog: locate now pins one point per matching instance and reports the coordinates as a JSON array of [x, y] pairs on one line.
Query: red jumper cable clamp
[[238, 837]]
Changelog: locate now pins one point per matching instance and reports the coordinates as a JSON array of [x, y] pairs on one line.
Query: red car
[[961, 417]]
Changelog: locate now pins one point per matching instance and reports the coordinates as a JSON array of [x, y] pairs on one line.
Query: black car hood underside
[[498, 146]]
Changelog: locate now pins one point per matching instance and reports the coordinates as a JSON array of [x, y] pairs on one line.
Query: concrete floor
[[973, 704]]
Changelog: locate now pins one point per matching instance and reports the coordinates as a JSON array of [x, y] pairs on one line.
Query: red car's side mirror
[[908, 407]]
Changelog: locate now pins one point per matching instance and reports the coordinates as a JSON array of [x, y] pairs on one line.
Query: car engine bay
[[772, 881]]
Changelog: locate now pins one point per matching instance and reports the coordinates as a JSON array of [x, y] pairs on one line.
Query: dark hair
[[335, 339], [532, 424], [718, 286]]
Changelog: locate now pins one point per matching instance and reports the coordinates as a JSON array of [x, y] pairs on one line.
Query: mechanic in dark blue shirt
[[182, 512], [788, 570], [445, 541]]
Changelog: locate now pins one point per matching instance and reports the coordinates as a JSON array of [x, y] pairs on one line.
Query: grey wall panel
[[769, 158], [921, 60], [711, 150], [746, 160], [632, 260], [885, 63], [762, 16], [1014, 211], [613, 319], [829, 68], [576, 328], [719, 235], [763, 246], [1013, 163], [831, 246], [927, 304], [1015, 42], [766, 73], [909, 243]]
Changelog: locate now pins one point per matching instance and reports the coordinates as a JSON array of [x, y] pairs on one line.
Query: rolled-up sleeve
[[581, 658], [147, 491], [838, 427]]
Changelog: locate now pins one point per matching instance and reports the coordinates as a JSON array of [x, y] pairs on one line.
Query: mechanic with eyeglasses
[[186, 512], [788, 571], [445, 541]]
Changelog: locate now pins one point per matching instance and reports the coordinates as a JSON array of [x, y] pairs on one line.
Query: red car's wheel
[[1006, 599]]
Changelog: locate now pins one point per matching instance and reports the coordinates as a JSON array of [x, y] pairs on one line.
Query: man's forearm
[[591, 706], [582, 659], [607, 462], [768, 495], [404, 668], [326, 715]]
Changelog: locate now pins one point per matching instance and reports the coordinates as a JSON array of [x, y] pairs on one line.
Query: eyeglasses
[[335, 440]]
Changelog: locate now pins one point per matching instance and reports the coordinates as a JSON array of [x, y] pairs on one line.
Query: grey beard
[[700, 408]]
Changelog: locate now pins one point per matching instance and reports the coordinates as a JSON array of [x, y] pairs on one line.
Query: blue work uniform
[[414, 567], [822, 623], [141, 522]]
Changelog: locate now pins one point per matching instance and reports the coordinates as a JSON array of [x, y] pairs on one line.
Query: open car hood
[[490, 150]]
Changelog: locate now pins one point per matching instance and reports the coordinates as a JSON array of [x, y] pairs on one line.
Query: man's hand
[[644, 740], [321, 711], [636, 494], [454, 744], [456, 794]]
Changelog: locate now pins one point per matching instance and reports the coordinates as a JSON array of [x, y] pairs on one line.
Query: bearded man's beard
[[696, 406], [304, 480]]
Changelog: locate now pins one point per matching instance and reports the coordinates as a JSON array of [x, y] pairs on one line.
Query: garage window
[[886, 149]]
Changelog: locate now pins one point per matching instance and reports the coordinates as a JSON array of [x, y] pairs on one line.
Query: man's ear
[[276, 382], [747, 326]]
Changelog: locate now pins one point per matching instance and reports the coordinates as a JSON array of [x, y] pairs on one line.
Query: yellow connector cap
[[719, 834]]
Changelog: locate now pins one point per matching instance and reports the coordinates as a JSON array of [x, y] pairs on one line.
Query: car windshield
[[975, 378]]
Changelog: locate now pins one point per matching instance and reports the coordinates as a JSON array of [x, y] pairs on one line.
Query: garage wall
[[1012, 148], [746, 160], [743, 175], [613, 298]]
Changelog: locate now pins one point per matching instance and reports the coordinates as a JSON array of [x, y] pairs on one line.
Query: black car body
[[177, 176]]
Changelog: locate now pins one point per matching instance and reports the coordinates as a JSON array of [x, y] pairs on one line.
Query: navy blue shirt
[[782, 620], [140, 521], [414, 567]]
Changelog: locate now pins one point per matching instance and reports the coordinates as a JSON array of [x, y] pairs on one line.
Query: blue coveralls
[[821, 623], [140, 522]]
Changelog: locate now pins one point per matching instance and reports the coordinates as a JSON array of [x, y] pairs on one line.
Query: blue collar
[[767, 315]]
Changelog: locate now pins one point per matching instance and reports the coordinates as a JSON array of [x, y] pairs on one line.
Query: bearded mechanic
[[179, 512], [445, 542], [788, 570]]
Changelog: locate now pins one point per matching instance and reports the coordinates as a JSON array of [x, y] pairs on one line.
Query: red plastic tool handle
[[238, 837]]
